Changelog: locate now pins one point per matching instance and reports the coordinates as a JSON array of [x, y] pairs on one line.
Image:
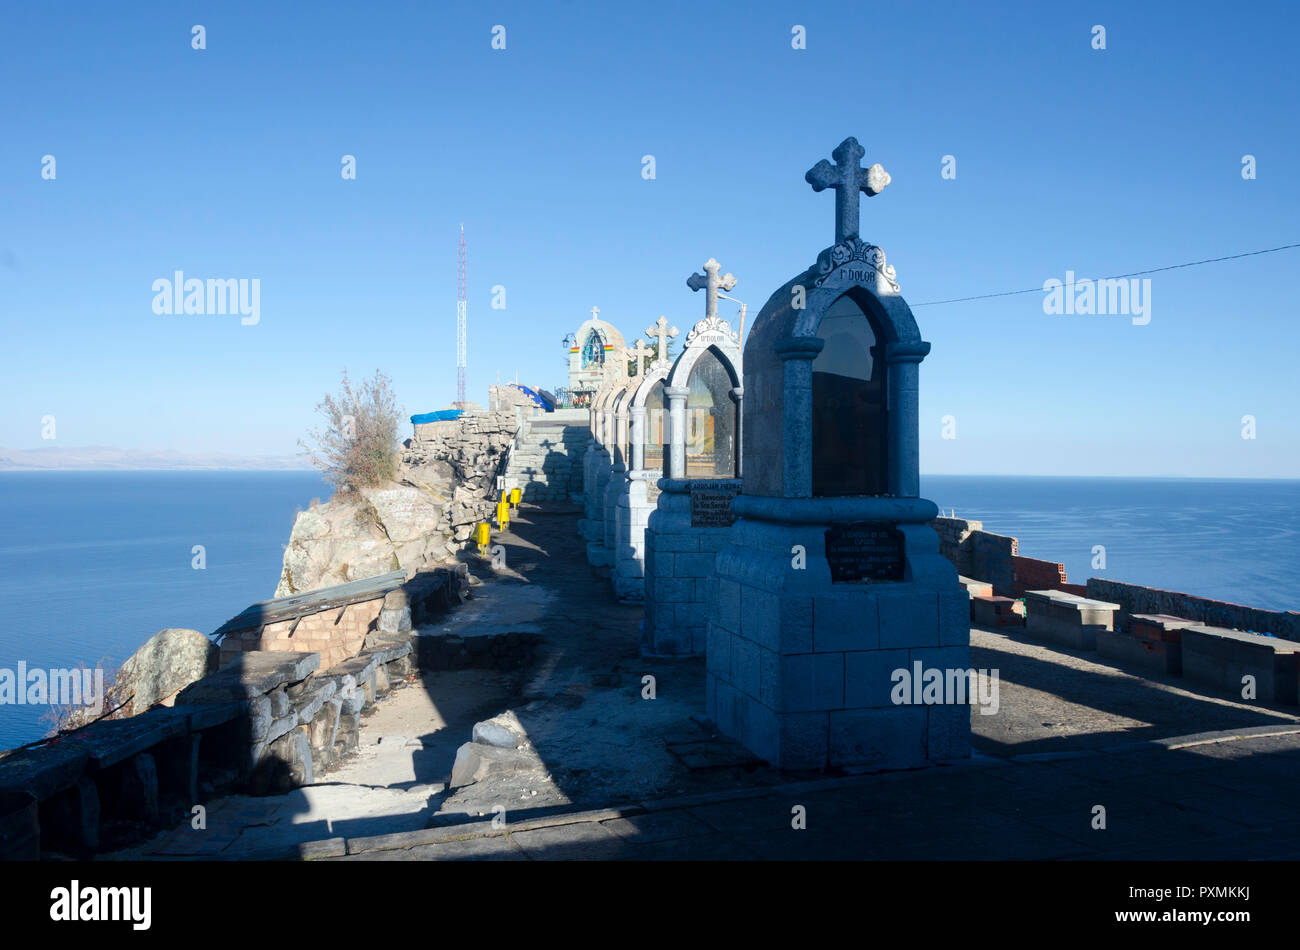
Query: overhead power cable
[[1136, 273]]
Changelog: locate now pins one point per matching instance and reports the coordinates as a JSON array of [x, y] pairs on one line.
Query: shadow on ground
[[594, 738]]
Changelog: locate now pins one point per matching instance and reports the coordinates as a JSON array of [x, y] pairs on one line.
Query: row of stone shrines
[[782, 535]]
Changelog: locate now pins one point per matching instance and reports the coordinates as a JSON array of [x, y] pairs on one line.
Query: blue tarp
[[442, 415], [537, 398]]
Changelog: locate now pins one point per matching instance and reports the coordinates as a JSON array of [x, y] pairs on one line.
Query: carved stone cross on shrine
[[638, 354], [710, 281], [663, 331], [595, 312], [847, 177]]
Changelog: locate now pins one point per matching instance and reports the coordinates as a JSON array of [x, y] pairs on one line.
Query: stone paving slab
[[581, 841], [500, 848], [655, 827], [1036, 810]]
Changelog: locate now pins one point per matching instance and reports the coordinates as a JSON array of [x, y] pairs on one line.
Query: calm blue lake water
[[94, 563], [1230, 539]]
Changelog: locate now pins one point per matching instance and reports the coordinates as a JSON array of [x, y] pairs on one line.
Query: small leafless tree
[[358, 446]]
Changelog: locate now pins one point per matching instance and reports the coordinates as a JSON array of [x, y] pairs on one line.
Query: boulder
[[169, 661], [354, 537], [503, 732], [406, 514], [334, 543], [476, 762]]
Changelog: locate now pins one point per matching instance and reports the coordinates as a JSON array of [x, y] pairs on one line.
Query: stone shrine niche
[[830, 458], [656, 419], [711, 417], [595, 358], [692, 517], [849, 435], [624, 435], [593, 351], [704, 390], [644, 424]]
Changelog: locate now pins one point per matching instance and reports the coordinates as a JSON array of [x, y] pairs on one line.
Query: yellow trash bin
[[515, 496], [503, 514], [482, 534]]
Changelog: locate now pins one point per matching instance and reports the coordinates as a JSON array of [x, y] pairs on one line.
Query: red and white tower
[[460, 320]]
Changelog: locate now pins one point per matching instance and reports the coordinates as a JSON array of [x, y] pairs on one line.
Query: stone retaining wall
[[996, 559], [1136, 599], [265, 722], [458, 462], [954, 542], [1031, 573]]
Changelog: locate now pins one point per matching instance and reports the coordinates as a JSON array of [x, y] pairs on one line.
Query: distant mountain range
[[98, 457]]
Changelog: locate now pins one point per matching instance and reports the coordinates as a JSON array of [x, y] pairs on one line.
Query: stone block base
[[1152, 656], [1221, 659], [679, 562], [630, 518], [994, 611], [811, 674], [976, 588], [1066, 619]]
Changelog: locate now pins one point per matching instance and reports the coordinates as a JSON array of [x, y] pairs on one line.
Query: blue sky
[[225, 163]]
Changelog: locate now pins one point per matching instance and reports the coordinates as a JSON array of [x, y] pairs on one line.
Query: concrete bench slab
[[1153, 643], [118, 739], [1144, 653], [47, 770], [218, 714], [1160, 627], [1220, 658], [976, 588], [996, 611], [1066, 619], [251, 674]]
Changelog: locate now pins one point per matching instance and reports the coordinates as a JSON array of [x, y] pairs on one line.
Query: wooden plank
[[297, 605]]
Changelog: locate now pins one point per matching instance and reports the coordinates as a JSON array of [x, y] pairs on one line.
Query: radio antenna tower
[[460, 319]]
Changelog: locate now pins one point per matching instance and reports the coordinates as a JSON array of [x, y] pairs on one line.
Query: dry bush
[[358, 447], [61, 718]]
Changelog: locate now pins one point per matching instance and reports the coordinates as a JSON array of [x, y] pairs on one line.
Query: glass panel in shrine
[[656, 422], [848, 406], [710, 421]]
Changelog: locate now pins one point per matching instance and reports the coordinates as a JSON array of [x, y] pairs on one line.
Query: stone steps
[[546, 462]]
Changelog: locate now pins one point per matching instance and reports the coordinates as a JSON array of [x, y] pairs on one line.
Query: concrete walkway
[[1213, 796], [609, 773]]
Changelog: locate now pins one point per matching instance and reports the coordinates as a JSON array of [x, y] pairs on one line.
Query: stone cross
[[596, 310], [639, 353], [847, 177], [663, 331], [711, 282]]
